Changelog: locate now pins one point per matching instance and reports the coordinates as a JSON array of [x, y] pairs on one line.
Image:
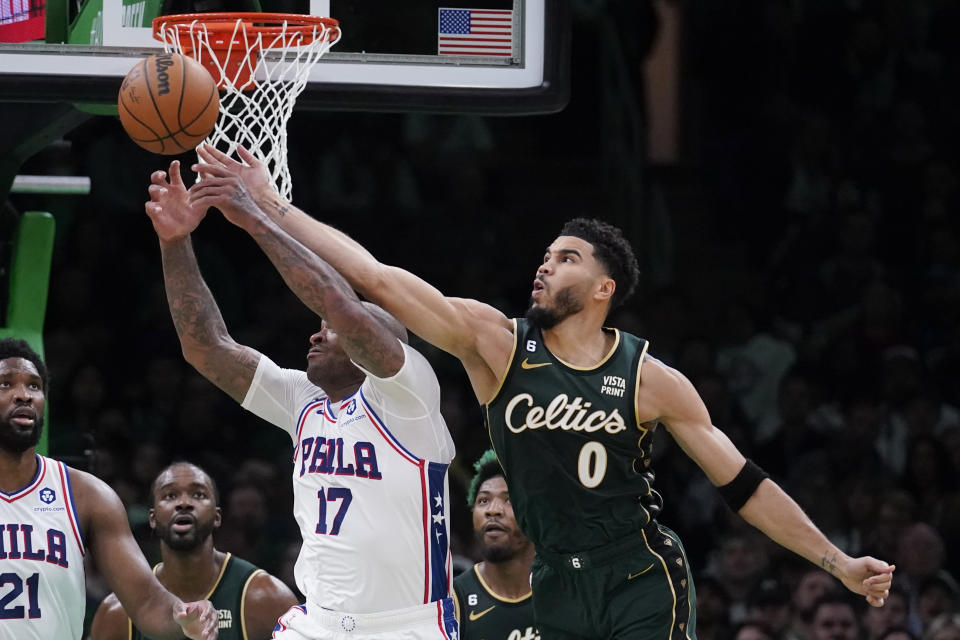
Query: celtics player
[[184, 515], [493, 598], [570, 405]]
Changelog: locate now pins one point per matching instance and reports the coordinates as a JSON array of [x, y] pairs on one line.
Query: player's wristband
[[736, 492]]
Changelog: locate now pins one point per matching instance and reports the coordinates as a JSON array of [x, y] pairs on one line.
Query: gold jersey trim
[[690, 609], [613, 349], [636, 393], [506, 370], [666, 572], [493, 594], [223, 570], [243, 603]]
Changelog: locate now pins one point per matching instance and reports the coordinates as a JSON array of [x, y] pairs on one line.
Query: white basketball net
[[257, 92]]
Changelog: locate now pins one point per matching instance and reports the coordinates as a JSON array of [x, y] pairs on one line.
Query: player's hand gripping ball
[[168, 103]]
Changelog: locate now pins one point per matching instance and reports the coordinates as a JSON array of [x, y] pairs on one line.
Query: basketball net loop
[[257, 93]]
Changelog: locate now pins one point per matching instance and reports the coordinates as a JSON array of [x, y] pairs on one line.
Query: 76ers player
[[371, 450], [50, 514]]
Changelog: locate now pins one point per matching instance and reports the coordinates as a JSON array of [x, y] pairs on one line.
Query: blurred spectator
[[769, 606], [944, 627], [930, 477], [753, 631], [897, 633], [919, 561], [897, 511], [879, 622], [798, 434], [861, 499], [937, 596], [754, 361], [813, 586], [713, 609], [738, 565], [244, 531], [834, 618]]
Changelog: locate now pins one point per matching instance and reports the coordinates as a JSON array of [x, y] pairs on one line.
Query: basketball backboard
[[410, 56]]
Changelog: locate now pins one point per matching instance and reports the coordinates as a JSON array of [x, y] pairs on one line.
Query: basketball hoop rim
[[221, 22]]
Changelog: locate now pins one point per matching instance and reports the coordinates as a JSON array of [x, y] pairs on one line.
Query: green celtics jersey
[[575, 457], [483, 615], [227, 596]]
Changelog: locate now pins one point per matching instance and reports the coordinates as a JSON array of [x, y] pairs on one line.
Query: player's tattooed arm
[[204, 338], [279, 208], [361, 331], [829, 561]]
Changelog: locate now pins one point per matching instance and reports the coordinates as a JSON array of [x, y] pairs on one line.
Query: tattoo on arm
[[200, 326], [329, 295], [280, 208], [829, 562]]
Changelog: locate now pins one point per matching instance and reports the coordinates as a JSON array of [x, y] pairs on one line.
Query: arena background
[[796, 220]]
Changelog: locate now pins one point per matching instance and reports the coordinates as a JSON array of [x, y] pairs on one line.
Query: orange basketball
[[168, 103]]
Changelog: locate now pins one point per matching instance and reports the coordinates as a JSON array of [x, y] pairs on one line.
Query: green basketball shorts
[[638, 588]]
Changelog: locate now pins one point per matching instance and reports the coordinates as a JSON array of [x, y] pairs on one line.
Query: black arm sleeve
[[736, 492]]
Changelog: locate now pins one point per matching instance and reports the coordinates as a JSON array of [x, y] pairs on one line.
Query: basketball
[[168, 103]]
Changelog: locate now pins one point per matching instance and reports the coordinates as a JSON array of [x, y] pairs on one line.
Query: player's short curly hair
[[17, 348], [611, 250], [486, 467]]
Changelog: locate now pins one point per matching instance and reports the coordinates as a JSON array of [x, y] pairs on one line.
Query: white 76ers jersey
[[369, 485], [42, 590]]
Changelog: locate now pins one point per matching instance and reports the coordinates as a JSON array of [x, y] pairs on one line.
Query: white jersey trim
[[71, 506], [30, 486]]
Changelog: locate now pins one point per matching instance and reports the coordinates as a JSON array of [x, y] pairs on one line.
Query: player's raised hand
[[169, 209], [251, 170], [197, 619], [869, 577], [221, 187]]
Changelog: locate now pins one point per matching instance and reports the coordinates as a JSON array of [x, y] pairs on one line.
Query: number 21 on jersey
[[9, 610]]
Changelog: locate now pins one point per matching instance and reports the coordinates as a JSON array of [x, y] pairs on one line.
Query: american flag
[[475, 32]]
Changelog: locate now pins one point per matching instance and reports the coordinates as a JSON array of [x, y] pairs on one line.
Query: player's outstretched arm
[[449, 323], [204, 338], [669, 397], [267, 599], [153, 609], [476, 333], [362, 333]]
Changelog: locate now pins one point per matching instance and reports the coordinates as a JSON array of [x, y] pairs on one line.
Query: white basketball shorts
[[434, 621]]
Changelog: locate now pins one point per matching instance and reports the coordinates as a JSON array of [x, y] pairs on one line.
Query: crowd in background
[[815, 305]]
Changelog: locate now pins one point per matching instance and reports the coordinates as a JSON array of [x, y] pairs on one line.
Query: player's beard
[[502, 551], [497, 553], [201, 531], [566, 305], [18, 441]]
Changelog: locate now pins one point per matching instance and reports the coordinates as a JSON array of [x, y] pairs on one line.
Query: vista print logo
[[47, 495]]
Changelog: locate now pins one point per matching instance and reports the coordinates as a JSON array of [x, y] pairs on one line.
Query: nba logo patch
[[531, 345], [47, 495], [351, 407]]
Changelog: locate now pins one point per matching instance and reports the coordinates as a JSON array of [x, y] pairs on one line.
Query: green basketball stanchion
[[29, 285]]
